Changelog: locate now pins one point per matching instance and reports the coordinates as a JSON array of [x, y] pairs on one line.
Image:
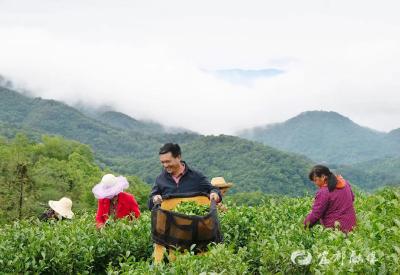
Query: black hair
[[170, 147], [318, 171]]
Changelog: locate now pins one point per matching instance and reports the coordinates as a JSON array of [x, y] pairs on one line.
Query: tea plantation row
[[257, 240]]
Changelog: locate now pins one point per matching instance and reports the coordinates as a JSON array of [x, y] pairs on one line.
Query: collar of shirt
[[180, 174]]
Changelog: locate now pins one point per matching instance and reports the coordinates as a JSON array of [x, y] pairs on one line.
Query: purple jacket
[[333, 206]]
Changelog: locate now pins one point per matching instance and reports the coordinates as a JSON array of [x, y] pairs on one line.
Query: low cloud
[[154, 66]]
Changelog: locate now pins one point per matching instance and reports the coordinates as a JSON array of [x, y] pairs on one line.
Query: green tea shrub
[[265, 239], [192, 208], [71, 246], [221, 259]]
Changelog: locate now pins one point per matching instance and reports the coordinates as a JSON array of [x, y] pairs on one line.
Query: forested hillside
[[327, 137], [125, 122], [375, 173], [394, 137], [33, 173], [129, 146], [53, 117], [250, 165]]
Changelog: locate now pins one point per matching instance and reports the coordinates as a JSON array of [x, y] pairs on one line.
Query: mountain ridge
[[327, 137], [135, 152]]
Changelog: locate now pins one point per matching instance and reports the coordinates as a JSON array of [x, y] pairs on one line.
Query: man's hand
[[157, 199], [214, 196]]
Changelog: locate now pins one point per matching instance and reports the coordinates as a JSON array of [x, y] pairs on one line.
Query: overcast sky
[[155, 59]]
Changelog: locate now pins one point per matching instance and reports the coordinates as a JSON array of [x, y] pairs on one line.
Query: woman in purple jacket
[[333, 204]]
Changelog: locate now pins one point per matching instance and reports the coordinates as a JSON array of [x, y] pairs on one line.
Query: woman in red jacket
[[112, 201]]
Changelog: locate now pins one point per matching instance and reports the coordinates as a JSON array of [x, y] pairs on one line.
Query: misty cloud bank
[[150, 60]]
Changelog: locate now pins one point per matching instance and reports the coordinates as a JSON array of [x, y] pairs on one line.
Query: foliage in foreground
[[33, 173], [258, 240], [192, 208]]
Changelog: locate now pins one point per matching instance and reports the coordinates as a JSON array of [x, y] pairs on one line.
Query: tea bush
[[264, 239], [192, 208], [71, 246]]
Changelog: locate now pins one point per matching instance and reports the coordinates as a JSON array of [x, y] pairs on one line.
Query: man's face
[[170, 163]]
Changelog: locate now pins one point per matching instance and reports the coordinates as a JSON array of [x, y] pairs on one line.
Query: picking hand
[[157, 199], [214, 196]]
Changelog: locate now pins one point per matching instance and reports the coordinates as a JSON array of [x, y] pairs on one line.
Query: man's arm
[[210, 189], [154, 191]]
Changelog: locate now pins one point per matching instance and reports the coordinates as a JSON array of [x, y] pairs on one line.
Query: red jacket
[[126, 206]]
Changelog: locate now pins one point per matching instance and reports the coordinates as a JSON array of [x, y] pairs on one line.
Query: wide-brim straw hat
[[110, 186], [220, 182], [62, 207]]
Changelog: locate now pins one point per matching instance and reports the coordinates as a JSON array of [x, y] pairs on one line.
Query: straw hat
[[110, 186], [220, 182], [62, 207]]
